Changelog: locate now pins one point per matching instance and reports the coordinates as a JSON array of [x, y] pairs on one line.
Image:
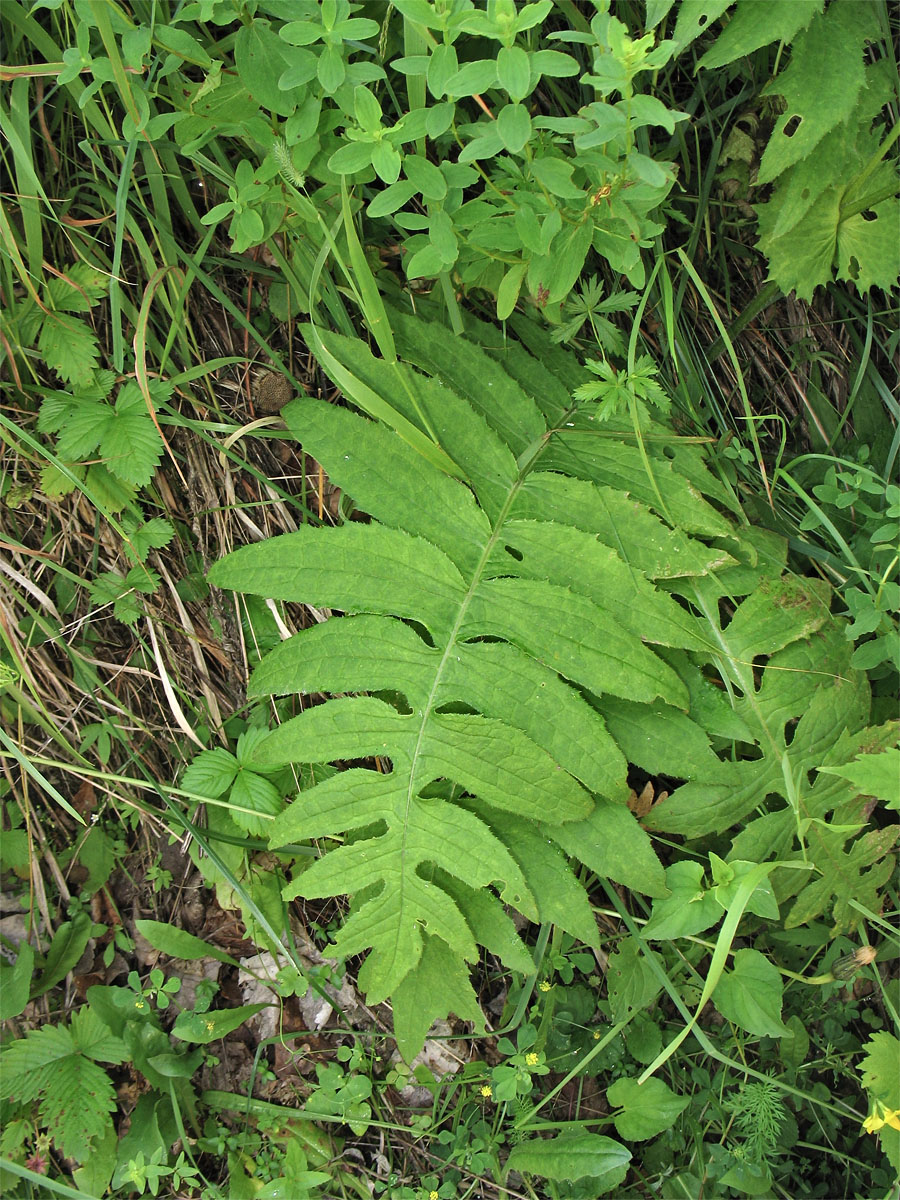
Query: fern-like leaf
[[55, 1066], [478, 619]]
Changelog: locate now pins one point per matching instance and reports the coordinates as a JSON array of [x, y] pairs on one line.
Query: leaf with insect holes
[[820, 84], [472, 621], [758, 23]]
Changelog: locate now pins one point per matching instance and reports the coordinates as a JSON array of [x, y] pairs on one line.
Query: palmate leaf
[[479, 614]]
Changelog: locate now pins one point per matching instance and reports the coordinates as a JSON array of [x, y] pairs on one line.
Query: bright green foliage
[[751, 995], [833, 211], [490, 718], [250, 792], [647, 1108], [874, 775], [574, 1156], [759, 24], [57, 1066], [472, 606], [880, 1075], [802, 710], [820, 85], [122, 592], [66, 343], [124, 434]]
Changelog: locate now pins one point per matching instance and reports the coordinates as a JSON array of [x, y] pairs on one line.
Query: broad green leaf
[[649, 1108], [874, 775], [391, 198], [252, 794], [211, 773], [179, 41], [178, 943], [750, 995], [351, 157], [443, 237], [85, 424], [68, 945], [514, 72], [632, 984], [261, 57], [688, 909], [15, 983], [559, 270], [820, 84], [555, 174], [868, 254], [694, 17], [508, 291], [69, 347], [131, 445], [176, 1066], [514, 126], [879, 1069], [424, 263], [204, 1028], [612, 843], [573, 1156], [472, 79], [439, 987], [93, 1177], [442, 67], [387, 161], [425, 176], [79, 290], [331, 69], [367, 109], [757, 23], [469, 642]]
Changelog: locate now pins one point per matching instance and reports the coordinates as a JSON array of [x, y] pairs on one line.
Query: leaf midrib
[[476, 578]]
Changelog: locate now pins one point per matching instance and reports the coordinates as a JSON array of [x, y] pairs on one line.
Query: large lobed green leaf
[[511, 638], [484, 613]]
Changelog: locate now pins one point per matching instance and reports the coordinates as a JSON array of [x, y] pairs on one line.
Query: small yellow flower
[[544, 985], [597, 1036], [877, 1120], [531, 1059], [487, 1091], [433, 1196]]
